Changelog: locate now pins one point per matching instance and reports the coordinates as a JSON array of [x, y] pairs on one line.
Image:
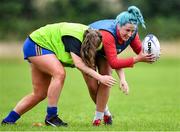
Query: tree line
[[18, 18]]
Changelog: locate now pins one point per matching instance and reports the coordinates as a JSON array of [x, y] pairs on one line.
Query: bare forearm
[[82, 67], [104, 79], [123, 83], [121, 74]]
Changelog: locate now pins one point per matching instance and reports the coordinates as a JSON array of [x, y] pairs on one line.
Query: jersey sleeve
[[72, 44], [111, 54], [136, 44]]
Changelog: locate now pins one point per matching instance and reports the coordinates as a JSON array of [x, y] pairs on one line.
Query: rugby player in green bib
[[49, 49]]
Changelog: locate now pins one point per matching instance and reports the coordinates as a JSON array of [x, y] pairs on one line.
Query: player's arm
[[123, 83], [114, 61], [74, 46], [105, 79], [136, 44], [111, 55]]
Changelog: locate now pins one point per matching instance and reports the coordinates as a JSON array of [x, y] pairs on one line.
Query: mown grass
[[153, 103]]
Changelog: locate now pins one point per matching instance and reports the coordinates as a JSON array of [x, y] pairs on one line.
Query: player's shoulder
[[106, 35]]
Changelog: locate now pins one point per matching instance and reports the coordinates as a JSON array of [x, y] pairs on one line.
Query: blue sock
[[51, 111], [12, 117]]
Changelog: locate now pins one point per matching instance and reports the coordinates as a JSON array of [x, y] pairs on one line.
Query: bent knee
[[41, 96], [60, 75]]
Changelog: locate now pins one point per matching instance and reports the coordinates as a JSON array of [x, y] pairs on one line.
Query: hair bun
[[137, 13], [134, 10], [132, 15]]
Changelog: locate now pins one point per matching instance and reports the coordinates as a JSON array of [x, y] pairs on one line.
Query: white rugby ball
[[151, 45]]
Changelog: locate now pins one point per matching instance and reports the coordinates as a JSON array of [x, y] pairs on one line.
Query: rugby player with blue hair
[[117, 35]]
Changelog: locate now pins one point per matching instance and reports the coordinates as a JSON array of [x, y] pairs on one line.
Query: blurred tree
[[28, 11], [14, 18], [161, 16], [9, 9], [154, 8], [17, 9], [83, 11], [20, 17]]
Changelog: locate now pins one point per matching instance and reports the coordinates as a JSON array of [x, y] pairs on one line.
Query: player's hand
[[141, 57], [124, 86], [108, 80]]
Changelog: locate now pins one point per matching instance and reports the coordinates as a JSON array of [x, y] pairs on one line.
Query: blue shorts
[[30, 49]]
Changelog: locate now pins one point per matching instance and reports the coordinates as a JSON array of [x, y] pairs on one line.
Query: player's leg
[[48, 76], [40, 82], [102, 111], [92, 85], [44, 85], [53, 67]]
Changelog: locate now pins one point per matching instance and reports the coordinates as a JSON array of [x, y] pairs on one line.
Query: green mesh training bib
[[49, 37]]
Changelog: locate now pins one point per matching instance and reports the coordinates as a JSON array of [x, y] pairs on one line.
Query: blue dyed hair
[[133, 15]]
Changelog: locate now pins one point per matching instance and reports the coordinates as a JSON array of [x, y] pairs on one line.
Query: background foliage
[[20, 17]]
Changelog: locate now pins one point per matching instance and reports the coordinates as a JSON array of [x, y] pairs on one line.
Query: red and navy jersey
[[110, 26], [113, 44]]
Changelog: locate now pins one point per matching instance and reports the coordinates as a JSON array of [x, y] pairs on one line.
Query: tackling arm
[[105, 79]]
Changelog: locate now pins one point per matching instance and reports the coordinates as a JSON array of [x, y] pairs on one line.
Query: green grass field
[[153, 103]]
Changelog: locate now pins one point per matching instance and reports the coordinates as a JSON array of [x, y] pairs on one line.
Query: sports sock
[[12, 117], [98, 115], [51, 111], [106, 111]]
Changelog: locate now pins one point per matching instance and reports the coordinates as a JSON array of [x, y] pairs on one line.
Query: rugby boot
[[107, 120], [55, 121]]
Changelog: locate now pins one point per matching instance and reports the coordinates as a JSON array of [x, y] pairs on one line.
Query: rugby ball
[[151, 45]]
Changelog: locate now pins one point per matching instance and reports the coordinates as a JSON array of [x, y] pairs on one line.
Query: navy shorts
[[30, 49]]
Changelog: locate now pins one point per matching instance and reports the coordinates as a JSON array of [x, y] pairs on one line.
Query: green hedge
[[163, 28]]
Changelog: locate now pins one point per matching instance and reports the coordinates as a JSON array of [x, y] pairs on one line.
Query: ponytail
[[91, 41]]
